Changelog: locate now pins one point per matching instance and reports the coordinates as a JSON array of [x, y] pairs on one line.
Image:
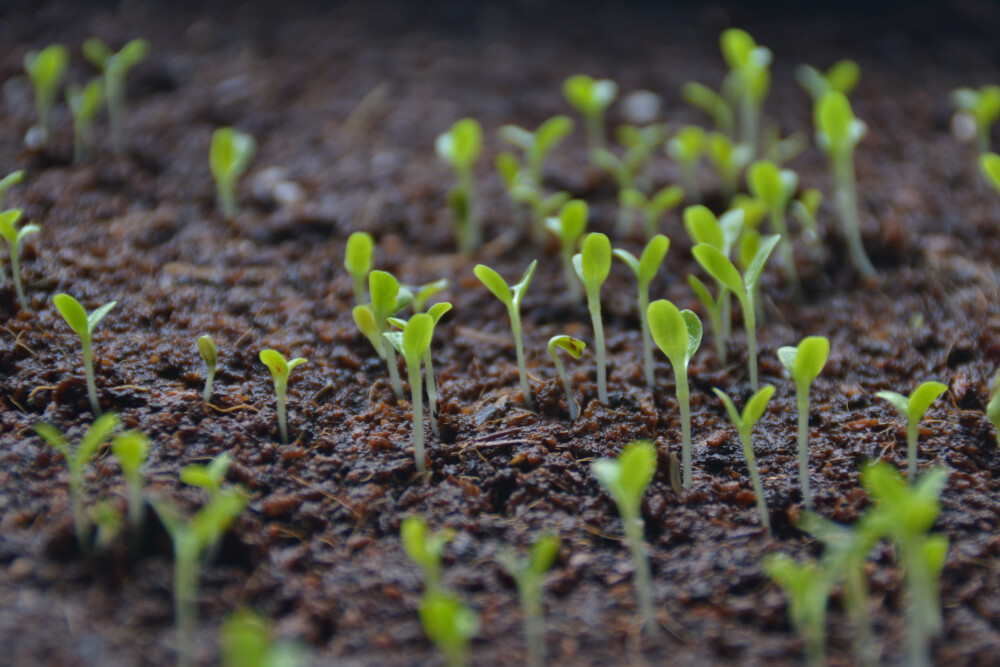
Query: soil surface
[[347, 102]]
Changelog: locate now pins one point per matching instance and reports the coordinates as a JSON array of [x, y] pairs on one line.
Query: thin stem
[[803, 408], [786, 250], [209, 380], [390, 360], [856, 598], [684, 400], [522, 370], [79, 516], [360, 294], [88, 371], [227, 198], [846, 199], [726, 313], [530, 591], [642, 578], [472, 234], [570, 400], [594, 302], [595, 130], [417, 396], [16, 272], [749, 123], [116, 114], [758, 488], [133, 484], [431, 392], [279, 392], [647, 339], [921, 604], [715, 320], [912, 433], [750, 323], [185, 596]]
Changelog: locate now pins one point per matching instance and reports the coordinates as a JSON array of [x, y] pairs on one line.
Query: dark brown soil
[[348, 100]]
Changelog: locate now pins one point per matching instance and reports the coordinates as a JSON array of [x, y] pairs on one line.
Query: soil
[[347, 101]]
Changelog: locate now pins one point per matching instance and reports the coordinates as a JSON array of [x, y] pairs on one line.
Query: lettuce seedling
[[568, 227], [132, 449], [280, 369], [83, 324], [591, 98], [229, 156], [206, 348], [450, 625], [914, 408], [115, 67], [645, 269], [842, 77], [804, 363], [686, 148], [652, 208], [983, 107], [808, 587], [108, 524], [422, 293], [358, 256], [10, 179], [775, 187], [573, 347], [702, 97], [512, 297], [414, 342], [425, 548], [388, 298], [989, 164], [208, 477], [460, 147], [14, 236], [837, 134], [748, 80], [752, 412], [805, 209], [640, 143], [626, 479], [539, 144], [592, 265], [678, 335], [728, 159], [745, 288], [528, 573], [720, 233], [84, 103], [46, 69], [77, 459], [247, 640], [437, 311]]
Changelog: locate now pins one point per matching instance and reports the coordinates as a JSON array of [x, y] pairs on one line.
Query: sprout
[[702, 97], [46, 69], [653, 207], [436, 312], [460, 147], [678, 335], [208, 477], [511, 297], [805, 209], [645, 269], [14, 236], [686, 149], [805, 362], [206, 348], [450, 625], [131, 449], [719, 266], [76, 460], [781, 150], [913, 408], [752, 412], [640, 144], [358, 262], [84, 103], [108, 521], [10, 179], [229, 156], [538, 144], [989, 164], [246, 640], [568, 227], [593, 265], [528, 573], [115, 67], [808, 588], [425, 549], [729, 160], [422, 293], [775, 187], [591, 98], [280, 369], [748, 80], [983, 107], [626, 479], [573, 347], [83, 324], [837, 133], [842, 77], [373, 319], [413, 343]]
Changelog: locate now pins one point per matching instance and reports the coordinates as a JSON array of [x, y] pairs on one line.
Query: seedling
[[460, 147], [805, 209], [528, 573], [686, 148], [539, 144], [837, 134], [131, 449], [115, 67], [719, 266], [591, 98], [206, 348], [752, 412], [108, 522], [775, 187], [83, 324], [84, 103], [914, 408], [842, 77], [358, 262], [209, 476], [280, 369], [993, 408], [729, 160], [989, 164], [573, 347], [14, 236], [77, 459], [10, 179], [425, 549], [983, 107], [46, 69], [678, 335], [805, 362], [568, 227], [512, 297], [414, 342], [645, 269], [592, 266], [748, 80], [229, 156], [808, 588], [702, 97], [450, 625], [720, 233], [653, 207], [640, 143], [247, 640], [422, 293], [373, 319], [780, 150], [626, 479]]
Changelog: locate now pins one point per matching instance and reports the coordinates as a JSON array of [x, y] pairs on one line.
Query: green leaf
[[46, 69], [990, 165], [666, 199], [97, 52], [438, 310], [550, 133], [675, 333], [198, 475], [495, 284], [365, 320], [508, 167], [131, 54], [900, 402], [843, 76], [131, 449], [8, 226], [358, 254], [520, 289], [95, 436], [638, 465], [73, 313], [734, 415], [211, 522], [595, 260], [701, 291], [737, 47], [206, 348], [447, 622], [544, 552], [417, 336], [572, 346], [811, 358], [572, 220], [230, 153], [54, 438], [629, 259], [517, 135], [719, 266], [923, 396], [384, 292], [588, 95], [694, 332], [755, 406], [276, 363], [703, 227], [652, 257], [770, 184], [94, 318], [687, 145], [786, 355], [706, 99], [460, 146], [767, 245], [837, 129]]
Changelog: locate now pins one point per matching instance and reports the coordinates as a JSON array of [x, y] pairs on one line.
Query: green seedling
[[982, 107], [425, 548], [754, 210], [626, 479], [837, 134], [686, 148], [206, 348], [83, 324], [993, 407], [422, 293], [358, 256], [989, 164], [752, 412], [14, 236], [805, 210], [115, 67], [678, 335], [729, 161], [905, 514], [568, 227], [108, 522], [208, 477], [512, 297], [640, 143], [450, 625], [591, 98], [745, 288], [460, 147], [229, 157], [645, 268], [539, 144], [414, 342], [387, 299], [280, 369], [522, 191], [191, 540], [804, 363], [84, 103], [748, 80], [247, 640], [592, 265], [652, 208], [573, 347], [46, 69], [436, 312], [914, 408], [10, 179], [702, 97], [132, 449], [528, 573], [77, 459], [808, 587], [775, 187], [842, 77], [780, 150]]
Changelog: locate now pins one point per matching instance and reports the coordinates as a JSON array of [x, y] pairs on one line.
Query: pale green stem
[[642, 578], [923, 604], [471, 236], [595, 130], [227, 197], [647, 339], [390, 360], [816, 644], [684, 400], [626, 217], [571, 280], [185, 596], [749, 123], [360, 291], [3, 274], [209, 380], [750, 324], [16, 272], [417, 394], [522, 369], [594, 302], [570, 400], [652, 224], [803, 408], [538, 234], [846, 200], [80, 523], [80, 140], [279, 393], [758, 489], [133, 484], [726, 313], [786, 250], [912, 433], [431, 392], [856, 599], [88, 371], [116, 114], [715, 320], [529, 588]]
